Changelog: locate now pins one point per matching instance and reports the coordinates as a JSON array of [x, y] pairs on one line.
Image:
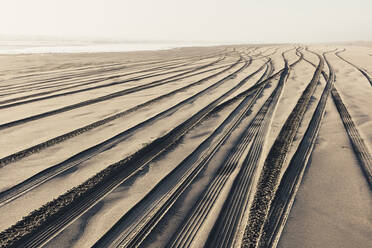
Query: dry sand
[[333, 204], [333, 207]]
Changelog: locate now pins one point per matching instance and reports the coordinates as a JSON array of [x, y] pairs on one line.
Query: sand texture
[[225, 146]]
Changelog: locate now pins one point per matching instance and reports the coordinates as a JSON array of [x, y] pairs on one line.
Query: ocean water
[[46, 46]]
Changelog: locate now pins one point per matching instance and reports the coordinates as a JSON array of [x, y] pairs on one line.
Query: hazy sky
[[191, 20]]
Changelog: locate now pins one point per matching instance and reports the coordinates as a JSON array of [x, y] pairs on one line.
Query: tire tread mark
[[292, 177], [61, 81], [186, 233], [46, 80], [139, 232], [79, 83], [49, 173], [96, 100], [148, 75], [270, 172], [357, 142], [36, 228], [225, 229], [41, 146], [363, 71]]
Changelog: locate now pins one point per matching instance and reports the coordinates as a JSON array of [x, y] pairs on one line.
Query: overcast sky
[[191, 20]]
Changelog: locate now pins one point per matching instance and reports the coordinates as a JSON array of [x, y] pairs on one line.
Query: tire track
[[262, 80], [120, 236], [39, 147], [134, 79], [200, 211], [40, 79], [42, 224], [98, 99], [32, 74], [60, 80], [144, 226], [363, 71], [270, 172], [123, 66], [224, 232], [292, 178], [76, 70], [95, 80], [359, 147], [47, 174], [137, 78], [80, 82], [270, 76]]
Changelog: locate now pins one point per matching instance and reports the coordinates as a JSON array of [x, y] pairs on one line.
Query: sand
[[331, 209]]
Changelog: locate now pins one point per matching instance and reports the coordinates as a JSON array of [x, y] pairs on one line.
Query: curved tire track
[[364, 72], [84, 81], [89, 73], [273, 163], [40, 225], [195, 219], [154, 71], [123, 236], [39, 147], [291, 180], [148, 75], [359, 147], [96, 100], [49, 173], [119, 235]]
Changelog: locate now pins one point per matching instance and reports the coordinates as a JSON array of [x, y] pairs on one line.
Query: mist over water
[[46, 46]]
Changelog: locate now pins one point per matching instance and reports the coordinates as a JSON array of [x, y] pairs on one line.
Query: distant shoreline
[[42, 47]]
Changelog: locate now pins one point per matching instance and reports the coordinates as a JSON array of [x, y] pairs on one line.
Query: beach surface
[[213, 146]]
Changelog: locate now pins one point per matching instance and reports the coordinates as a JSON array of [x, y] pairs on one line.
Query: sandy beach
[[219, 146]]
